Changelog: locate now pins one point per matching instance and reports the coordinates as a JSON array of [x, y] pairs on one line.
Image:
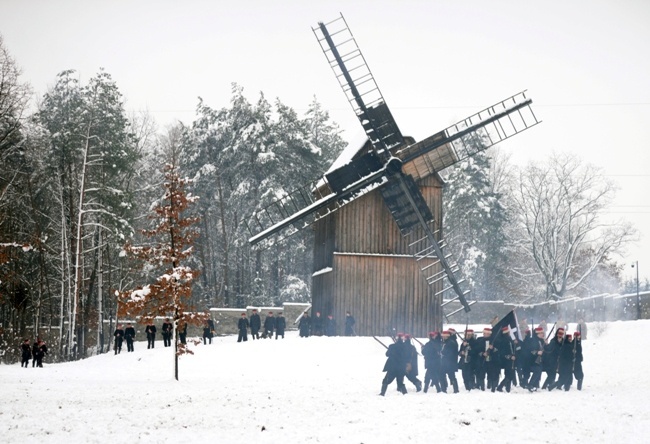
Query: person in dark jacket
[[535, 350], [565, 364], [317, 325], [269, 326], [550, 358], [577, 364], [182, 333], [208, 331], [330, 326], [432, 361], [466, 360], [242, 326], [395, 366], [449, 354], [280, 325], [26, 353], [129, 335], [411, 366], [167, 330], [119, 337], [505, 347], [349, 324], [35, 351], [304, 325], [256, 324], [487, 363], [41, 351], [151, 335]]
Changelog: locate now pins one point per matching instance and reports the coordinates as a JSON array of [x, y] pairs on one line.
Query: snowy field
[[315, 390]]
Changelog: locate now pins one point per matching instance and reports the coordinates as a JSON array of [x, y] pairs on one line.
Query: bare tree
[[560, 208]]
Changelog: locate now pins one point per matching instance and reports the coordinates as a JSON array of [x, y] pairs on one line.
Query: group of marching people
[[36, 352], [494, 362]]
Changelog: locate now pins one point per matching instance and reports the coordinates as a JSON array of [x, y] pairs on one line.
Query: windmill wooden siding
[[363, 265]]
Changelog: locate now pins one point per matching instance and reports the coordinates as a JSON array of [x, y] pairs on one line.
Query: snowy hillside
[[315, 390]]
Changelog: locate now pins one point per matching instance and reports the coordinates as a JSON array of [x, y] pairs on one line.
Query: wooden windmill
[[390, 275]]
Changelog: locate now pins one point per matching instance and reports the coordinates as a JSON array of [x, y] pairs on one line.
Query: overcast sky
[[584, 63]]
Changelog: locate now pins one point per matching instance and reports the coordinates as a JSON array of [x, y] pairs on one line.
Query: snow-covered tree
[[167, 255]]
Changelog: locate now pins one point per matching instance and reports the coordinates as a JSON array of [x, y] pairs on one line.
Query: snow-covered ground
[[315, 390]]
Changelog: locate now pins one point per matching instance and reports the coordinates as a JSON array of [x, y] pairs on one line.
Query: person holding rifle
[[565, 364], [551, 357], [449, 355], [535, 350], [577, 363], [395, 366], [432, 361], [411, 363], [466, 360], [506, 352]]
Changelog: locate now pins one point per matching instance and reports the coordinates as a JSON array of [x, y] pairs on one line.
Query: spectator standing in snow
[[317, 325], [41, 351], [182, 334], [167, 330], [151, 335], [26, 353], [269, 326], [256, 324], [129, 335], [207, 332], [242, 326], [304, 325], [280, 325], [119, 337], [330, 326], [35, 351], [349, 324]]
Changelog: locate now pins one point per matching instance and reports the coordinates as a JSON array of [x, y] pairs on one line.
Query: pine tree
[[171, 249]]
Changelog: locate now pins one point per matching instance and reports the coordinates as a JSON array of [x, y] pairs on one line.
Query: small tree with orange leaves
[[172, 238]]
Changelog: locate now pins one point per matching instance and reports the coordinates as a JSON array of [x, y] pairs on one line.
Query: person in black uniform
[[411, 365], [330, 326], [242, 326], [119, 337], [565, 364], [255, 324], [485, 360], [524, 359], [129, 335], [577, 363], [550, 358], [280, 325], [41, 351], [466, 360], [269, 326], [26, 353], [432, 361], [151, 335], [349, 324], [505, 347], [317, 325], [304, 325], [167, 330], [395, 366], [207, 332], [449, 354], [535, 350]]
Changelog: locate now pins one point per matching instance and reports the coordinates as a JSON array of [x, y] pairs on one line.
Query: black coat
[[129, 333], [330, 327], [397, 358], [280, 325], [566, 358], [349, 325], [27, 351], [151, 331], [466, 353], [449, 354], [304, 325], [119, 335], [269, 323], [551, 356], [317, 325], [242, 324], [167, 328], [255, 323], [431, 353], [411, 358]]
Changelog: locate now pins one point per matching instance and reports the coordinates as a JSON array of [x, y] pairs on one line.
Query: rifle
[[300, 315], [552, 328], [418, 341], [375, 338]]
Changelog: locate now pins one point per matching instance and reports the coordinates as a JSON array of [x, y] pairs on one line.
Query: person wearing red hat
[[565, 364], [395, 365], [449, 355], [432, 361], [550, 358], [484, 362], [467, 359], [534, 349], [242, 326], [577, 363]]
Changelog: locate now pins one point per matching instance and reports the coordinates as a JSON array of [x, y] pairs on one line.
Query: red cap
[[399, 335], [539, 330], [576, 333], [487, 329], [469, 331], [433, 333], [445, 333], [407, 336], [505, 329], [560, 332], [569, 336], [452, 330]]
